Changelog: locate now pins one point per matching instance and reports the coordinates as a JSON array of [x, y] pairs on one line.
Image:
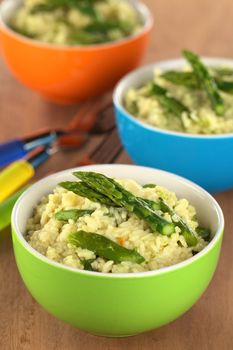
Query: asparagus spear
[[225, 85], [74, 214], [104, 247], [84, 6], [187, 232], [223, 72], [83, 190], [97, 31], [87, 264], [204, 233], [189, 80], [207, 82], [121, 197], [43, 7], [171, 104], [105, 26], [149, 186], [152, 204]]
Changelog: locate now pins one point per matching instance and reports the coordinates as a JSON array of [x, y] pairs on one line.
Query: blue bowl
[[204, 159]]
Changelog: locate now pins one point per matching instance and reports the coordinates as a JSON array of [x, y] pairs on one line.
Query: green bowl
[[118, 304]]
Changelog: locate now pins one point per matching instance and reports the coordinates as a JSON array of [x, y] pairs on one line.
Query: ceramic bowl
[[68, 74], [118, 304], [204, 159]]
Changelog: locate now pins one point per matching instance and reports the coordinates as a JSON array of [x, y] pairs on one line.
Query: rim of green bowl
[[161, 271], [118, 94], [141, 8]]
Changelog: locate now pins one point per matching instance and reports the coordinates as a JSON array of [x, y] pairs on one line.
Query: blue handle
[[11, 151], [39, 159]]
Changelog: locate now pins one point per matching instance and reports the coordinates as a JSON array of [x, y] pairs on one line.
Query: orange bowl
[[68, 74]]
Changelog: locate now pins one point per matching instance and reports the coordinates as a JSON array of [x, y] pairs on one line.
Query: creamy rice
[[49, 236], [202, 119], [64, 26]]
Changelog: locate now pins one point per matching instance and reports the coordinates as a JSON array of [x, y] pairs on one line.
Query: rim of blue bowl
[[140, 7], [144, 274], [118, 94]]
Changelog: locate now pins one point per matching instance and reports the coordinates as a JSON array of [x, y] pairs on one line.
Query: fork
[[106, 152], [92, 118], [92, 109]]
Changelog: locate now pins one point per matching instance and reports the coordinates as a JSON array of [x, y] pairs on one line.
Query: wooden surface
[[202, 25]]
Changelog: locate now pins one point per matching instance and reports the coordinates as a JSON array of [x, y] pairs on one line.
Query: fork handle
[[86, 160], [10, 151]]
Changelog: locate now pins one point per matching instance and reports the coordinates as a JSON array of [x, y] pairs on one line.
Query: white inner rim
[[36, 191], [8, 7], [142, 75]]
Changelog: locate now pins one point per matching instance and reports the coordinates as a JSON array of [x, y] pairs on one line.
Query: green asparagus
[[73, 214], [149, 186], [104, 247], [171, 104], [206, 81], [84, 6], [223, 72], [43, 7], [87, 264], [83, 190], [225, 85], [204, 233], [105, 26], [188, 233], [189, 80], [152, 204], [97, 32], [121, 197]]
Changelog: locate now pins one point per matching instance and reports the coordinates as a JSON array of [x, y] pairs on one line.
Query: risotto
[[121, 228], [185, 101], [84, 22]]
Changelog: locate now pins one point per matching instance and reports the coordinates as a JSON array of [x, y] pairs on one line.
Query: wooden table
[[204, 26]]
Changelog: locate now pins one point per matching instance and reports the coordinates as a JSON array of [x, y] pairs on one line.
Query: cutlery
[[106, 152], [92, 118]]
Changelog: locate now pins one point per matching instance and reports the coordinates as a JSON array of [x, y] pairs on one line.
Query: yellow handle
[[14, 176]]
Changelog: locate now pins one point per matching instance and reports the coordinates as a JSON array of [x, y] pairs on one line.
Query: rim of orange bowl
[[119, 92], [141, 8], [144, 274]]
